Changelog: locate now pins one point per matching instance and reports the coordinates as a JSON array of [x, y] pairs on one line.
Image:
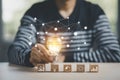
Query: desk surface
[[15, 72]]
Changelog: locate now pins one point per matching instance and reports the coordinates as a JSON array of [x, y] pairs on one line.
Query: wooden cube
[[54, 68], [67, 68], [41, 67], [80, 68], [94, 68]]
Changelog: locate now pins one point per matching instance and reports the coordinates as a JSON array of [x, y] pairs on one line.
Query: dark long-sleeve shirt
[[92, 42]]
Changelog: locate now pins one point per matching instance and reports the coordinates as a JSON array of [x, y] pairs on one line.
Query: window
[[13, 10]]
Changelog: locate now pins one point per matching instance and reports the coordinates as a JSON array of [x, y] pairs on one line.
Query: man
[[93, 42]]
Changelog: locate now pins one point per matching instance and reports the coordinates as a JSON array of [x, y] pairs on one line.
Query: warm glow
[[54, 44]]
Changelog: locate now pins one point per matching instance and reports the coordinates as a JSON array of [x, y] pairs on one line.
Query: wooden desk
[[15, 72]]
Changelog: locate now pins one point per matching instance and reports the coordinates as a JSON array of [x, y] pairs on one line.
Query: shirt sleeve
[[19, 51], [106, 47], [105, 44]]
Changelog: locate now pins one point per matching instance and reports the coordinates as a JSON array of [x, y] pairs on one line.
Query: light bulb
[[54, 44]]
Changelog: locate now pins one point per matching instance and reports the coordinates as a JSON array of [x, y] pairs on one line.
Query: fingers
[[44, 51], [39, 54]]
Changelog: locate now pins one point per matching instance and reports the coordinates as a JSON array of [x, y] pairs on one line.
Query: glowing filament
[[54, 45]]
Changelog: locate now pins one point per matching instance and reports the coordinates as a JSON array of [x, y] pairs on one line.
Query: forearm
[[105, 45], [19, 51], [99, 55], [17, 55]]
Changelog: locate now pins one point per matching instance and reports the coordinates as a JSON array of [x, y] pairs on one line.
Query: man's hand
[[39, 54]]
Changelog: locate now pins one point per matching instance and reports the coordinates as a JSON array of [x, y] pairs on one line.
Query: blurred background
[[11, 12]]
